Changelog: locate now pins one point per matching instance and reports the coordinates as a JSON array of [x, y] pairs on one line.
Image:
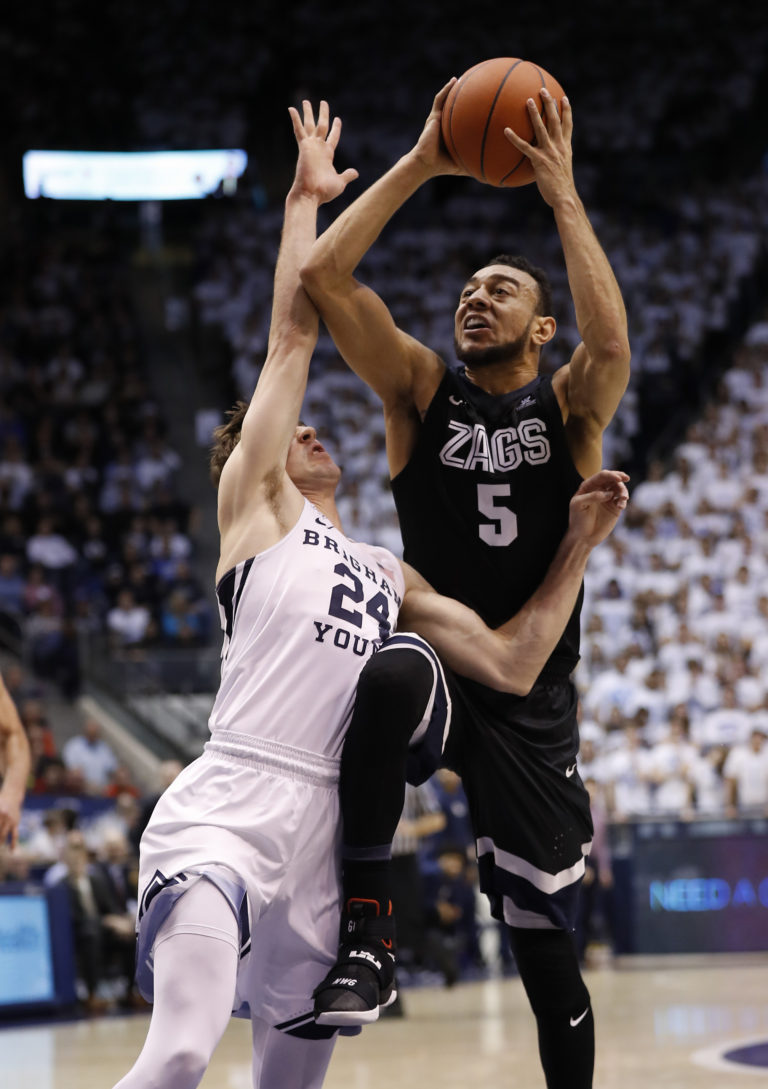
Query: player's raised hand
[[596, 506], [430, 149], [550, 153], [316, 176]]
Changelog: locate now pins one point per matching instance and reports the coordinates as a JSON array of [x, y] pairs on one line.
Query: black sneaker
[[362, 981]]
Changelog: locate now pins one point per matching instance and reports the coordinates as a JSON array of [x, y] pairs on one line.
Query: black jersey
[[483, 505], [483, 501]]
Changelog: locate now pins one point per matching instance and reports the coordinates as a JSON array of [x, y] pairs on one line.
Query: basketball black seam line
[[460, 86], [455, 153], [541, 115], [490, 115]]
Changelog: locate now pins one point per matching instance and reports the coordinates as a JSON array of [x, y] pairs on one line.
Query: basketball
[[488, 98]]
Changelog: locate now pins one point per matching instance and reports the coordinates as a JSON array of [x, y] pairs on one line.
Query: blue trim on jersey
[[225, 593], [229, 597], [246, 571]]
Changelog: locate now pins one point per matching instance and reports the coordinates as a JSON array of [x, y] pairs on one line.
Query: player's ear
[[543, 330]]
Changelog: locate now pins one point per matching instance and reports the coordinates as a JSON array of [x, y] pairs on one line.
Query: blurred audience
[[102, 923], [92, 756]]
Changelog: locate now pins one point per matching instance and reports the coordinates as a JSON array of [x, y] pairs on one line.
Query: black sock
[[366, 881], [549, 969]]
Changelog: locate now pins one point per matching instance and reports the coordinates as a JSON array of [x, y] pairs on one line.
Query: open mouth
[[475, 325]]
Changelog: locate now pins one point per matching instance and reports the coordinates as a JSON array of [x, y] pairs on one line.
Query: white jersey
[[300, 620]]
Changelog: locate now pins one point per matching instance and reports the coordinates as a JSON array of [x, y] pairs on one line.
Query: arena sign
[[131, 175]]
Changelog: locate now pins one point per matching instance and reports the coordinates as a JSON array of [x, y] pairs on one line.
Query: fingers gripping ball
[[487, 99]]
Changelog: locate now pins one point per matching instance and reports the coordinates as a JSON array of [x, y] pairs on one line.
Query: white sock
[[287, 1062], [195, 976]]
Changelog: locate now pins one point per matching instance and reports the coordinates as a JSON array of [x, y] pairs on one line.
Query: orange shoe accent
[[386, 942], [362, 900]]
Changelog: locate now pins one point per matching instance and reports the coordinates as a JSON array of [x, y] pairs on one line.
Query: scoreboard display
[[36, 960], [698, 887]]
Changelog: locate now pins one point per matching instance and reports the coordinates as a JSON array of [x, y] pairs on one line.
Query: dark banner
[[692, 888]]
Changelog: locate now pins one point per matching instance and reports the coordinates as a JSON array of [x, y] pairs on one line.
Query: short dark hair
[[225, 438], [536, 273]]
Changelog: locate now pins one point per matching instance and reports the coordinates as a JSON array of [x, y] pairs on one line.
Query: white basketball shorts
[[260, 820]]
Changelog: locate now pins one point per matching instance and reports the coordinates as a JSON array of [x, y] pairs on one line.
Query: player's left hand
[[550, 154], [430, 150], [596, 506], [316, 176]]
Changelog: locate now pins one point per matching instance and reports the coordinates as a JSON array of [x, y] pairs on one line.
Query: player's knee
[[397, 672], [550, 972], [185, 1066], [571, 998]]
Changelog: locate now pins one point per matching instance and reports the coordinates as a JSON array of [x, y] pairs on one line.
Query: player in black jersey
[[483, 461]]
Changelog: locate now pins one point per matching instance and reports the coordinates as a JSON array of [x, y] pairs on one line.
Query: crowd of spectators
[[79, 832], [94, 537], [673, 674]]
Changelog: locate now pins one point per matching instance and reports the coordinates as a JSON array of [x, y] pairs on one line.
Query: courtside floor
[[665, 1024]]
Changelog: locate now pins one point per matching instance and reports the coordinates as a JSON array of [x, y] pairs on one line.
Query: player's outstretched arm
[[394, 365], [594, 382], [15, 765], [511, 657], [273, 413]]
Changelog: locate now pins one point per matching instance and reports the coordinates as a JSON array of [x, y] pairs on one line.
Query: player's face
[[496, 311], [309, 463]]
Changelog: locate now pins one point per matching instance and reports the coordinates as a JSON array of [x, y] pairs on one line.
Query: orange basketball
[[487, 99]]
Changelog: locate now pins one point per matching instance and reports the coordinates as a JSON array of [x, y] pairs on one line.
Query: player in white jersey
[[239, 883], [292, 610]]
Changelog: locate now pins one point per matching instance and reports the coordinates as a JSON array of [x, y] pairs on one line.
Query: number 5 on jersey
[[501, 529]]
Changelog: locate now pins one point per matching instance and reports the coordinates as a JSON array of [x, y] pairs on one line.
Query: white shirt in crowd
[[748, 768], [94, 758]]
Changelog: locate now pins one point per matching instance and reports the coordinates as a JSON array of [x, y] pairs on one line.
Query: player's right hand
[[316, 176], [550, 152]]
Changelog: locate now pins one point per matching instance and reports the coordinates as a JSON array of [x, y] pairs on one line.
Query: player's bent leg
[[399, 693], [549, 969], [401, 701], [194, 977], [281, 1060]]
